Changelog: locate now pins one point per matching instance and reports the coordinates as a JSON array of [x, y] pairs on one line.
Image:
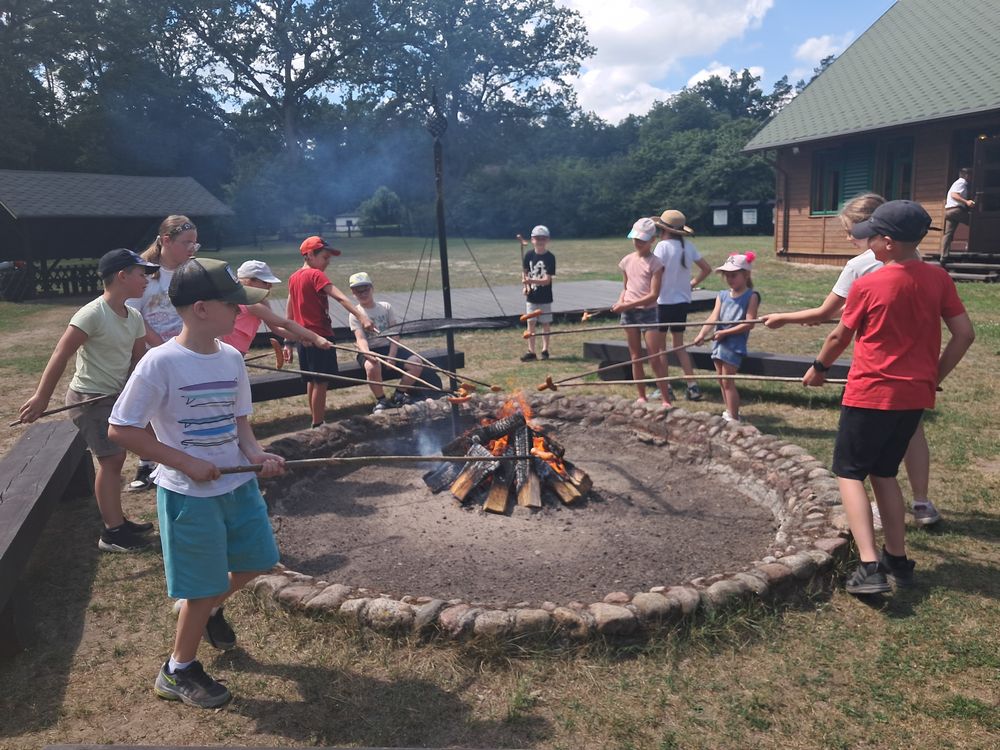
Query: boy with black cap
[[894, 315], [107, 337], [214, 528]]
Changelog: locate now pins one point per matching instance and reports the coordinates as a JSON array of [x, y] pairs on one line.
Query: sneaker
[[869, 578], [137, 528], [729, 417], [694, 393], [219, 633], [192, 686], [142, 479], [925, 514], [122, 539], [545, 353], [876, 517], [528, 357], [899, 571], [401, 399], [380, 406]]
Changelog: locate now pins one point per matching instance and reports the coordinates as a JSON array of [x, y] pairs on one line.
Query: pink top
[[246, 327], [639, 271]]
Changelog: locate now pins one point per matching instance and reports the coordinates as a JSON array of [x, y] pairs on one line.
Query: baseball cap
[[203, 279], [359, 279], [906, 221], [257, 269], [540, 231], [673, 221], [314, 243], [644, 229], [114, 261], [738, 262]]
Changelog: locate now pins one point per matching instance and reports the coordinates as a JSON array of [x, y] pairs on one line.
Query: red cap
[[314, 243]]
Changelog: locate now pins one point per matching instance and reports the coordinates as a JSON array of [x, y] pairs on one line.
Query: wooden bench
[[267, 385], [49, 461], [755, 363]]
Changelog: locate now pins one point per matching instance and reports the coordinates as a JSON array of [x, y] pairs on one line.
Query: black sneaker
[[142, 479], [400, 399], [122, 539], [694, 392], [869, 578], [219, 632], [192, 686], [528, 357], [545, 353], [380, 406], [137, 528], [899, 570]]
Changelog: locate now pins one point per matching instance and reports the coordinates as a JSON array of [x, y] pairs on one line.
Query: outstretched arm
[[814, 315], [356, 311], [72, 339], [286, 328], [836, 343]]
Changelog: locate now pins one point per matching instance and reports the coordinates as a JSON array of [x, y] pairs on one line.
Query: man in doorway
[[957, 207]]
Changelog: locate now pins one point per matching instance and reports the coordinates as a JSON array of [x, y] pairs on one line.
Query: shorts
[[376, 350], [206, 538], [872, 441], [676, 313], [646, 317], [727, 354], [314, 359], [92, 421], [545, 307]]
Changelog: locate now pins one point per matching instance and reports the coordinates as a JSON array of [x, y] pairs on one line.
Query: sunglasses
[[182, 228]]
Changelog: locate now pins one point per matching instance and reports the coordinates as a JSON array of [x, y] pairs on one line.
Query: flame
[[498, 446], [539, 449], [515, 404]]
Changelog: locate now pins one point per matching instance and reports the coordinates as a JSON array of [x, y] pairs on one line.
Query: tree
[[383, 208], [738, 96]]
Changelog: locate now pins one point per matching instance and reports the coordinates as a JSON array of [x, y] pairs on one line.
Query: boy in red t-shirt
[[308, 289], [894, 314]]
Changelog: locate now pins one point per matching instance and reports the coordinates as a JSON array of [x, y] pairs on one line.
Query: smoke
[[428, 442]]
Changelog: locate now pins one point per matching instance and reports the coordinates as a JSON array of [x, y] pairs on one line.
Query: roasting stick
[[343, 378], [449, 373], [384, 359], [654, 325], [553, 385], [717, 376], [58, 409], [309, 463]]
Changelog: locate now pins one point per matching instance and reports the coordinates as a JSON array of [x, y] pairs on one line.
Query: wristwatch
[[819, 366]]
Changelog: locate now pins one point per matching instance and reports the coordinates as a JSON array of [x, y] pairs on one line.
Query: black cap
[[906, 221], [114, 261], [203, 279]]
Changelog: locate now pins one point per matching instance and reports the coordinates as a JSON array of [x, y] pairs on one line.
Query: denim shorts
[[727, 354], [640, 316], [206, 538]]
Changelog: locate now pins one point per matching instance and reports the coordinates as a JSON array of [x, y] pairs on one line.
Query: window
[[897, 170], [720, 217], [838, 175], [749, 217]]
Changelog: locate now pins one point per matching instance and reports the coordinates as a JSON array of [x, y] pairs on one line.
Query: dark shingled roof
[[921, 61], [30, 195]]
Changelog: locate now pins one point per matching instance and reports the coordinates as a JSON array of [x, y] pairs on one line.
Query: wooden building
[[913, 99]]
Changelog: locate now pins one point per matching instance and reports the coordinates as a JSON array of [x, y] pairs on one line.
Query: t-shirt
[[960, 186], [102, 362], [156, 308], [244, 329], [382, 315], [896, 315], [192, 400], [676, 286], [639, 271], [856, 267], [537, 266], [308, 304]]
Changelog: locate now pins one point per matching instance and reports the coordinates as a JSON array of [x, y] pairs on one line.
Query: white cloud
[[640, 41], [815, 48]]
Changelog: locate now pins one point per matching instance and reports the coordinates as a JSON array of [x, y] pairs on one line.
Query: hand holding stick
[[553, 385], [309, 463], [67, 407], [525, 286]]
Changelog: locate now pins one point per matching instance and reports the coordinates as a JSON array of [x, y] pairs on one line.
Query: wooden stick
[[551, 384], [384, 359], [328, 376], [58, 409], [310, 463], [717, 376], [449, 373], [656, 325]]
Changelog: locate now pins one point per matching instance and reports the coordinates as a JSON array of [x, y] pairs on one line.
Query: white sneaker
[[729, 417], [925, 514]]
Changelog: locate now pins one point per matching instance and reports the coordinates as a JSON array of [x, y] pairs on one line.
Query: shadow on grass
[[967, 524], [333, 707], [772, 425]]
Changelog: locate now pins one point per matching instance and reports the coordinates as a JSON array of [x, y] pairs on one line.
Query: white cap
[[644, 229], [359, 279], [738, 262], [257, 269], [540, 231]]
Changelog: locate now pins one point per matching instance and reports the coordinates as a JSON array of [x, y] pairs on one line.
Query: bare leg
[[373, 371], [317, 401], [859, 516], [531, 335], [730, 395], [654, 344], [194, 615], [546, 330], [687, 367], [108, 489], [918, 464], [889, 498], [634, 339]]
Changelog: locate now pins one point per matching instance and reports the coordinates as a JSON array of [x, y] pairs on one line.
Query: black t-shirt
[[536, 267]]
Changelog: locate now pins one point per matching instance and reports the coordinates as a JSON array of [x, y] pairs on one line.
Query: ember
[[494, 483]]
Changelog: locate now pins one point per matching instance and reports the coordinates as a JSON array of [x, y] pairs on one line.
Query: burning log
[[473, 473], [522, 444], [580, 479], [442, 477], [497, 429], [564, 489], [499, 494]]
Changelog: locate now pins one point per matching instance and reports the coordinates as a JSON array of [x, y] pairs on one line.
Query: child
[[383, 316], [176, 242], [895, 316], [538, 268], [642, 274], [918, 455], [308, 290], [214, 528], [677, 253], [739, 302], [257, 273], [108, 338]]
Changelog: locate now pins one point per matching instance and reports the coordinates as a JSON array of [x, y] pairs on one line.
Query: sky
[[648, 50]]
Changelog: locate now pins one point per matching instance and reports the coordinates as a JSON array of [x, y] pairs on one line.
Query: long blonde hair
[[170, 227], [859, 209]]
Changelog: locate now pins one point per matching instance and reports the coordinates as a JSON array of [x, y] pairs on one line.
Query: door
[[984, 221]]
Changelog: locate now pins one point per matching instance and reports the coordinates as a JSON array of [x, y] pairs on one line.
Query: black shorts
[[361, 358], [676, 313], [872, 441], [314, 359]]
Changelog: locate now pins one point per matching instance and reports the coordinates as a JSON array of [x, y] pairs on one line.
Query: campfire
[[495, 483]]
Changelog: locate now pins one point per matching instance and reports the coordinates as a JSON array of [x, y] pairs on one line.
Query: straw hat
[[674, 222]]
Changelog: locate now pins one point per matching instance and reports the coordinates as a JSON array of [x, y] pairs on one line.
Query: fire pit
[[622, 518]]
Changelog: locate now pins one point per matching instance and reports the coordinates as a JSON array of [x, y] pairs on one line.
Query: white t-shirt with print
[[382, 315], [676, 285], [156, 308]]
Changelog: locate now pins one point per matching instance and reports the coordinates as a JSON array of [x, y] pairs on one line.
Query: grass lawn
[[918, 670]]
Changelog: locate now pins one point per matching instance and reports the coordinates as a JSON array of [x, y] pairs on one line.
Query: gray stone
[[353, 609], [297, 595], [654, 607], [610, 619], [788, 451], [492, 623], [573, 623], [617, 597], [457, 620], [531, 621], [330, 598], [822, 559], [686, 597], [802, 565], [389, 615], [723, 593], [835, 546], [778, 576], [269, 585], [757, 584]]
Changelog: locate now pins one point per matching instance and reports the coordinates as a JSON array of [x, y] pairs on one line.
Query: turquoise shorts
[[206, 538]]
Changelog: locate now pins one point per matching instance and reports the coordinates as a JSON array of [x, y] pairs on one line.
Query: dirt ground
[[647, 522]]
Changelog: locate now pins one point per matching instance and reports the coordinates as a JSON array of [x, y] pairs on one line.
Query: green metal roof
[[922, 60]]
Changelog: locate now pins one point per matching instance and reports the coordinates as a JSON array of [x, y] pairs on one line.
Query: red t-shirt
[[896, 314], [308, 304]]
